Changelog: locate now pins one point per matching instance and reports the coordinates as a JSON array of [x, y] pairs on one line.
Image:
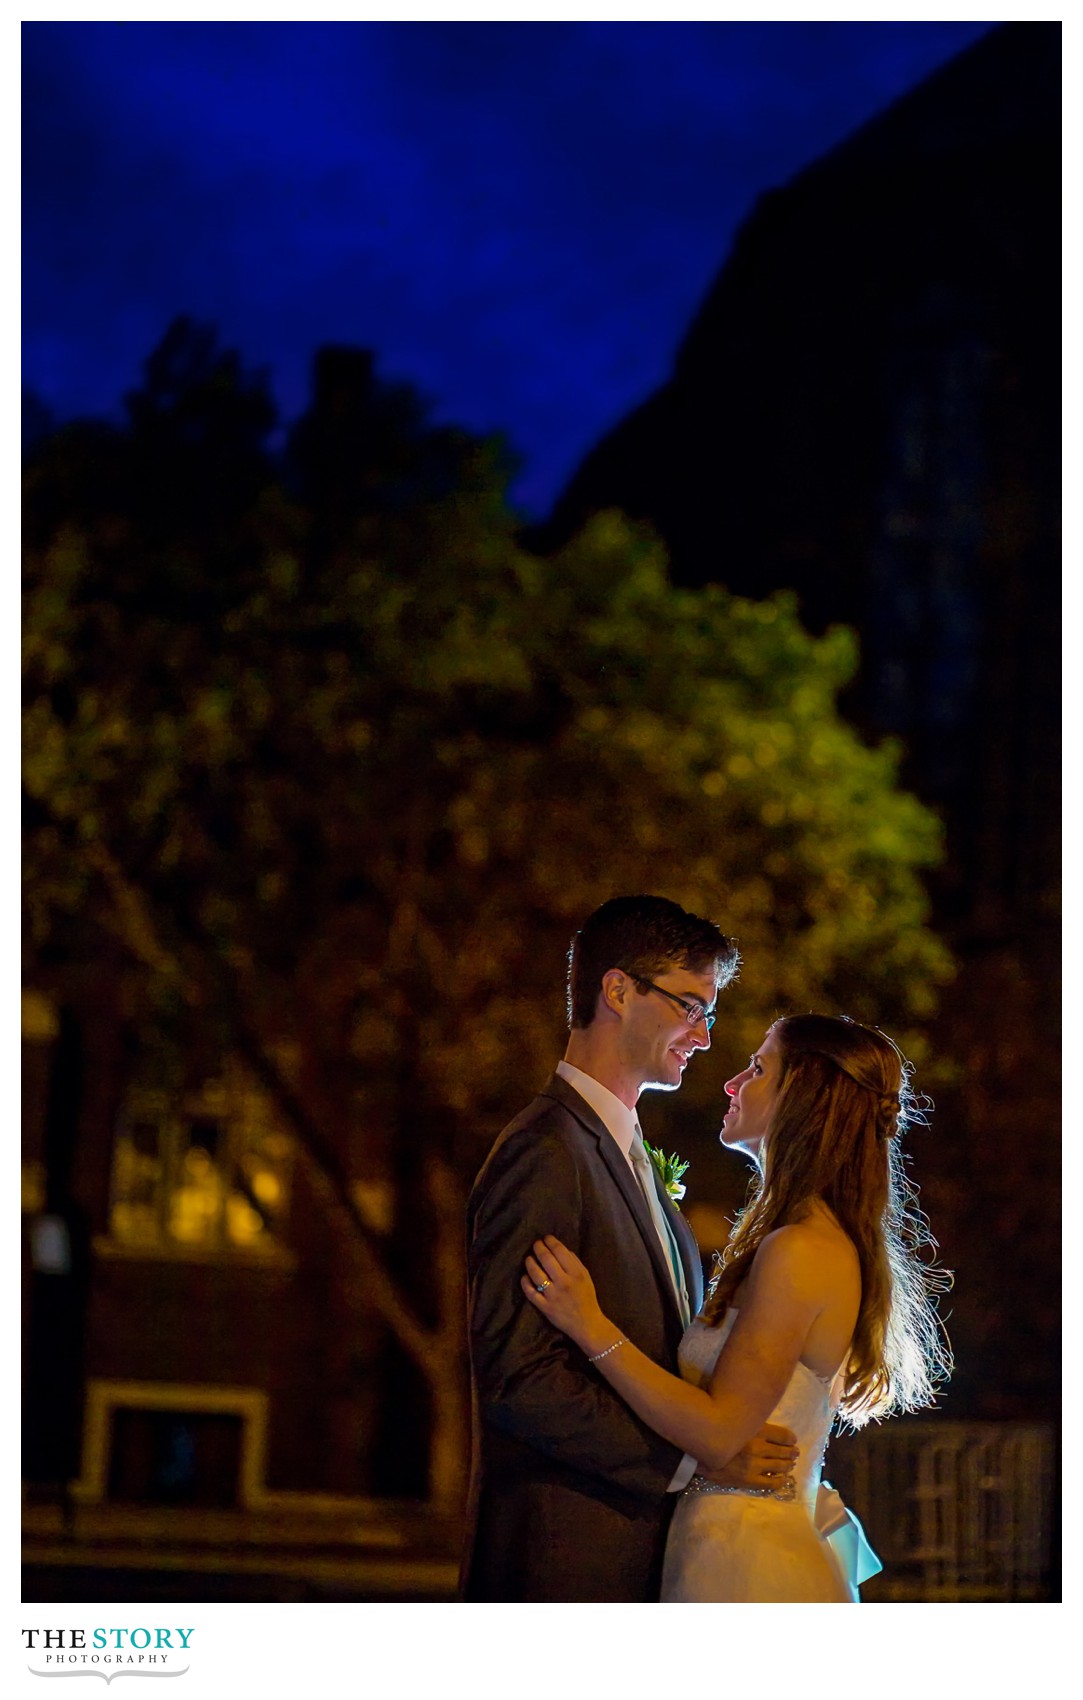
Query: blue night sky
[[520, 219]]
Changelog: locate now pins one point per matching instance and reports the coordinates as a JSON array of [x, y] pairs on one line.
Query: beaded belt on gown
[[700, 1484]]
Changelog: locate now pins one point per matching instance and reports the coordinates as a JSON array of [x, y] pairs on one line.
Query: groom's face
[[660, 1040]]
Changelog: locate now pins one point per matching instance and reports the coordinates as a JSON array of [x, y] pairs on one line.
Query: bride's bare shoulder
[[815, 1246]]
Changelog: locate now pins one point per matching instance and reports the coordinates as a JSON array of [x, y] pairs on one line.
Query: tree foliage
[[341, 765]]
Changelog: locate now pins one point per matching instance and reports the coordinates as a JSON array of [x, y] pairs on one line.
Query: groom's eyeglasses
[[695, 1012]]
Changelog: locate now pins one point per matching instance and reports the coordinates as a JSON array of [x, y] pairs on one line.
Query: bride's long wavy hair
[[844, 1098]]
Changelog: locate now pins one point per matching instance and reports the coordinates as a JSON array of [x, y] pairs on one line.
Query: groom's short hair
[[645, 936]]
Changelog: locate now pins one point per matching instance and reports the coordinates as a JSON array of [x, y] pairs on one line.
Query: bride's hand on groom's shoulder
[[765, 1461], [559, 1286]]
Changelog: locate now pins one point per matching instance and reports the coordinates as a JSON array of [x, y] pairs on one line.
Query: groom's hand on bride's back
[[764, 1461]]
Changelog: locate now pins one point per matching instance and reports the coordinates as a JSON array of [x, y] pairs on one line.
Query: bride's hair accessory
[[890, 1116]]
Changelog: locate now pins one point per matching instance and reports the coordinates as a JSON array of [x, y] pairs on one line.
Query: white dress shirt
[[622, 1123]]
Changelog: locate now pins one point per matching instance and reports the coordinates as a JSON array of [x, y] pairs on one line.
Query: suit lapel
[[628, 1186]]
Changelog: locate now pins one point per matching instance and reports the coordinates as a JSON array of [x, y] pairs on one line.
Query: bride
[[821, 1308]]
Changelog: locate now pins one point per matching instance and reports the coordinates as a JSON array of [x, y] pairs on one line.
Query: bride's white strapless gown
[[744, 1546]]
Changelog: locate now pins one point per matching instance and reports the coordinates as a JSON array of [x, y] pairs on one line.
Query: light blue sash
[[844, 1534]]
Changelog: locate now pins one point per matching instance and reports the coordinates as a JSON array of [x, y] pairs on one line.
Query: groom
[[571, 1494]]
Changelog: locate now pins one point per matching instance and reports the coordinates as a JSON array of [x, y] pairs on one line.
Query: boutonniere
[[670, 1169]]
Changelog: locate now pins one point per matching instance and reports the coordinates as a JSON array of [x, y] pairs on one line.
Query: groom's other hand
[[766, 1461]]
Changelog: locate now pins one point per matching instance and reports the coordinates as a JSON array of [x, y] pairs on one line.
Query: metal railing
[[955, 1510]]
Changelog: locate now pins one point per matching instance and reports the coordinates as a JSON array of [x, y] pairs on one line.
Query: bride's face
[[753, 1094]]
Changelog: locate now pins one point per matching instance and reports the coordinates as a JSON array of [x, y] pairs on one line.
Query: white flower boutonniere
[[670, 1170]]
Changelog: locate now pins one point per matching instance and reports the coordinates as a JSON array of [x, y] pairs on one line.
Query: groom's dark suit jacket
[[568, 1493]]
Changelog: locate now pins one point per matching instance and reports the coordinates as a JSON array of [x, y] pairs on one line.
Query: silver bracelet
[[599, 1355]]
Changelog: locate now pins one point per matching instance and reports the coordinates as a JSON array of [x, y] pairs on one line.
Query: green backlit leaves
[[383, 761]]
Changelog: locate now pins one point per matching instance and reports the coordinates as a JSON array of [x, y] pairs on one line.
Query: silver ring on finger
[[540, 1286]]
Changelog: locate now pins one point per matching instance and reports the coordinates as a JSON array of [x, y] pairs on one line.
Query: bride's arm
[[781, 1299]]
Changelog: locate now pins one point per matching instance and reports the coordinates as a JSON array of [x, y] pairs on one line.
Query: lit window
[[210, 1175]]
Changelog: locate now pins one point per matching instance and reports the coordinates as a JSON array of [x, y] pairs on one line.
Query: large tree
[[338, 766]]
